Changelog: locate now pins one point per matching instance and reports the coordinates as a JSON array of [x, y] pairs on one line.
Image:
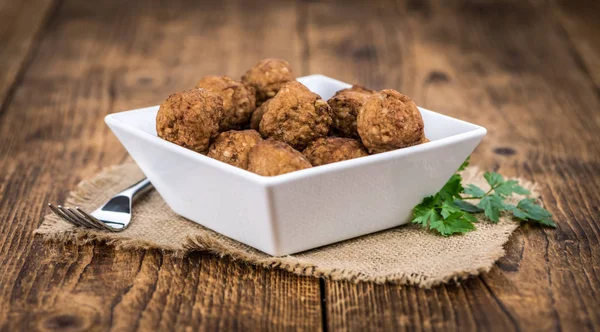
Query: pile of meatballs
[[270, 124]]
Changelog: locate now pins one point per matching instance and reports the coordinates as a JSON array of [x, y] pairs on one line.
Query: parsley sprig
[[449, 212]]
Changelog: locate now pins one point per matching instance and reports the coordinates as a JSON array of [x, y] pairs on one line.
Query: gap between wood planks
[[323, 298], [32, 53]]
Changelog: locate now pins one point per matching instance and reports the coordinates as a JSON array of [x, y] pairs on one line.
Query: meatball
[[190, 118], [295, 116], [333, 149], [232, 147], [389, 120], [239, 100], [270, 158], [258, 114], [345, 105], [267, 77]]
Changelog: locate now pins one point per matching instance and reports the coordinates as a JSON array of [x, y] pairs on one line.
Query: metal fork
[[114, 215]]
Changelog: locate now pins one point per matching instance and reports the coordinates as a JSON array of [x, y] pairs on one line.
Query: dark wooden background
[[528, 71]]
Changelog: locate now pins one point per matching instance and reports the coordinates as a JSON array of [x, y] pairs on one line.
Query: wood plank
[[464, 307], [21, 23], [98, 57], [93, 288], [579, 20], [508, 67]]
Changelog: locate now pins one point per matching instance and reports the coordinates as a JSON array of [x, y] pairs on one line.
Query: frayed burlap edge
[[300, 267], [222, 246]]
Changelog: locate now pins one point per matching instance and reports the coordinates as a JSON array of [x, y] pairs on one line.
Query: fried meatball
[[333, 149], [295, 116], [270, 158], [190, 118], [345, 105], [233, 146], [258, 114], [267, 77], [239, 100], [389, 120]]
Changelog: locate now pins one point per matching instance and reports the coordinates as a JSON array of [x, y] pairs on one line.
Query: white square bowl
[[305, 209]]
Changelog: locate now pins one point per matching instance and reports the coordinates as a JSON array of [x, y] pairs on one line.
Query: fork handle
[[138, 189]]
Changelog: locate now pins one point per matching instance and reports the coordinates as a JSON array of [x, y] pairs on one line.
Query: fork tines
[[78, 217]]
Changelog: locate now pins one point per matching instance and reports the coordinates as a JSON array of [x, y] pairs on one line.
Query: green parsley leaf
[[455, 223], [428, 202], [425, 216], [448, 213], [452, 188], [535, 212], [474, 191], [519, 214], [448, 208], [469, 217], [492, 205], [464, 164], [467, 207], [493, 178], [507, 188]]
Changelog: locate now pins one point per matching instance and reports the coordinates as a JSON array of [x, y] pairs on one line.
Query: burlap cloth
[[405, 255]]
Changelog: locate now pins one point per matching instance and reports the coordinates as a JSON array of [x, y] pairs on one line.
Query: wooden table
[[529, 72]]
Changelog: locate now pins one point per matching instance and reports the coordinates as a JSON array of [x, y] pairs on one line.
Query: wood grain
[[580, 22], [506, 66], [95, 58], [525, 70], [21, 24], [93, 288]]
